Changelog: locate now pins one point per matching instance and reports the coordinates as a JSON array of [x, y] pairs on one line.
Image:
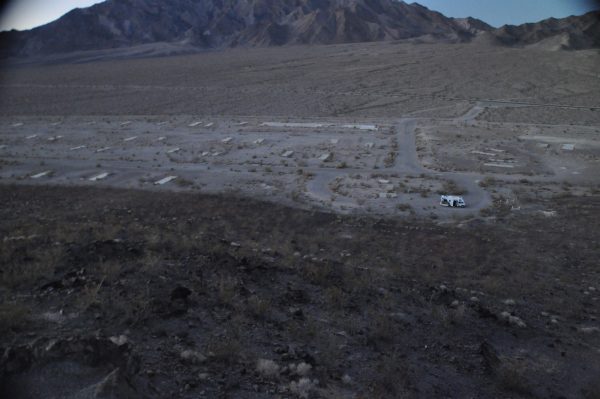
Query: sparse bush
[[267, 368]]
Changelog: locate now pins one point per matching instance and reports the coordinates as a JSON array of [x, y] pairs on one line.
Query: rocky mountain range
[[215, 24]]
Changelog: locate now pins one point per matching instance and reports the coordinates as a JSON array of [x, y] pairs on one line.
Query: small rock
[[509, 302], [589, 330], [120, 340], [193, 357], [512, 320], [203, 376], [474, 299], [346, 379], [454, 304]]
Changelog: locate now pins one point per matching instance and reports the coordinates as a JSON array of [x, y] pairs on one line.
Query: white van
[[452, 201]]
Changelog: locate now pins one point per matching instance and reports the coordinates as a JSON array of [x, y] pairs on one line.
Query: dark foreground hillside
[[126, 294]]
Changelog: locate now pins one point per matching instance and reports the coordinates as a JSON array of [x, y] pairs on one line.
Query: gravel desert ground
[[266, 223]]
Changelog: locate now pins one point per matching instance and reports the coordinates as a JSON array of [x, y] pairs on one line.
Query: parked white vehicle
[[452, 201]]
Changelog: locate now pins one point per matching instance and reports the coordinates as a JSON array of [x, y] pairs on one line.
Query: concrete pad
[[126, 123], [77, 148], [18, 124], [42, 174], [369, 145], [287, 154], [242, 123], [205, 153], [326, 157], [130, 138], [499, 165], [294, 124], [227, 140], [162, 123], [216, 154], [388, 195], [31, 137], [496, 150], [103, 149], [361, 127], [210, 124], [101, 176], [162, 138], [55, 138], [383, 181], [174, 150], [165, 180], [259, 141], [334, 141], [567, 147], [543, 145], [489, 154], [194, 124]]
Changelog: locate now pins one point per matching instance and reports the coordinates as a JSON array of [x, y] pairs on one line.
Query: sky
[[26, 14]]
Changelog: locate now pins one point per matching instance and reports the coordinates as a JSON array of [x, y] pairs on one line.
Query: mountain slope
[[225, 23], [571, 33], [215, 24]]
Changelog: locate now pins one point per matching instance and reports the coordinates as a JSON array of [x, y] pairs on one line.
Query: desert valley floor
[[294, 192]]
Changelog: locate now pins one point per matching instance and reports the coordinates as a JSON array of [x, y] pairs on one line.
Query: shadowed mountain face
[[228, 23], [213, 24]]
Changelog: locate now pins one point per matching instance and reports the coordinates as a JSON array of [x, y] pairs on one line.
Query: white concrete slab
[[294, 124], [162, 138], [210, 124], [55, 138], [42, 174], [79, 147], [227, 140], [334, 141], [369, 145], [126, 123], [165, 180], [383, 181], [162, 123], [130, 138], [360, 127], [18, 124], [259, 141], [205, 153], [499, 165], [496, 150], [103, 149], [567, 147], [488, 154], [326, 157], [287, 154], [242, 123], [31, 137], [194, 124], [174, 150], [101, 176]]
